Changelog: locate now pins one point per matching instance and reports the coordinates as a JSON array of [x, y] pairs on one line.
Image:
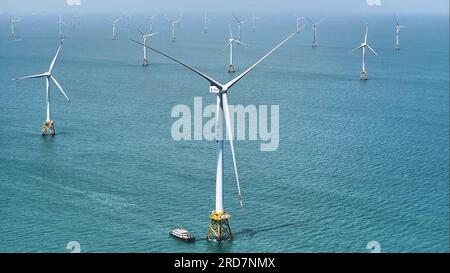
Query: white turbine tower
[[205, 22], [363, 46], [219, 225], [314, 26], [114, 24], [49, 126], [144, 38], [61, 24], [13, 26], [174, 24], [240, 23], [254, 18], [397, 33], [231, 40]]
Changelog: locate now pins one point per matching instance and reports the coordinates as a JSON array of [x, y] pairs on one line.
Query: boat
[[182, 234]]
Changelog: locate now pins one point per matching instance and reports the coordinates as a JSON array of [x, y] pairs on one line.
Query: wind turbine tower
[[114, 23], [240, 24], [231, 41], [397, 33], [49, 126], [144, 38], [254, 18], [314, 27], [219, 228], [364, 45], [13, 26], [174, 24]]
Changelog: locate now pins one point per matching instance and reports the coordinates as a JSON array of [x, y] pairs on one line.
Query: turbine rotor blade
[[372, 49], [54, 58], [365, 37], [230, 136], [59, 87], [151, 34], [208, 78], [237, 19], [142, 33], [239, 42], [235, 80], [229, 43], [231, 32], [29, 77], [396, 21], [300, 28], [357, 48]]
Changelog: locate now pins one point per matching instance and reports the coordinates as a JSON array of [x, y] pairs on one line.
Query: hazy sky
[[259, 6]]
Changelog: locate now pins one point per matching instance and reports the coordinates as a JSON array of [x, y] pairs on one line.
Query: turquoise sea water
[[357, 161]]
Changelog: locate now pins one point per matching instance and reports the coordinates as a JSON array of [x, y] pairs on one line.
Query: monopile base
[[145, 62], [364, 76], [48, 128], [219, 228], [231, 69], [397, 47]]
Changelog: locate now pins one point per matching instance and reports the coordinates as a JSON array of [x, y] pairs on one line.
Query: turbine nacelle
[[216, 90]]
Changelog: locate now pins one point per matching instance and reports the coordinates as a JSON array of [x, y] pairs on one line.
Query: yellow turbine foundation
[[219, 228], [48, 128]]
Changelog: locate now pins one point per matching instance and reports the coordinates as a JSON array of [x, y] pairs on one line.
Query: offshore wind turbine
[[144, 38], [397, 33], [298, 19], [205, 22], [314, 26], [240, 23], [363, 46], [13, 25], [152, 21], [49, 125], [254, 18], [61, 24], [174, 24], [219, 225], [114, 23], [231, 40]]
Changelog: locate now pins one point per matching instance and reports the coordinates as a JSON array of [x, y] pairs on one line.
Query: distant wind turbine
[[254, 18], [114, 23], [13, 26], [152, 21], [144, 38], [231, 40], [174, 24], [314, 26], [240, 23], [206, 20], [61, 24], [364, 75], [397, 33], [298, 19]]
